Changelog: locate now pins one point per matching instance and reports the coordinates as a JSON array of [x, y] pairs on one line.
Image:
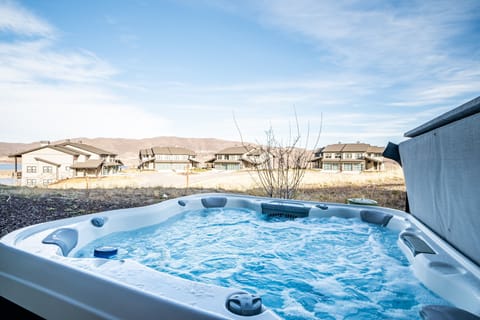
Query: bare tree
[[280, 167]]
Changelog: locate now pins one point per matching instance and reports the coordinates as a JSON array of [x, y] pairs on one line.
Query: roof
[[64, 147], [334, 147], [113, 164], [235, 150], [172, 151], [86, 147], [375, 149], [255, 152], [355, 147], [46, 161], [89, 164], [68, 150], [352, 147]]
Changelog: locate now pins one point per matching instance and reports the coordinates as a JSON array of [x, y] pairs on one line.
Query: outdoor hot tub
[[229, 256], [43, 269]]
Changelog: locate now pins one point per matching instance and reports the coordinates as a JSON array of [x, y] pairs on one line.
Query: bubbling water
[[306, 268]]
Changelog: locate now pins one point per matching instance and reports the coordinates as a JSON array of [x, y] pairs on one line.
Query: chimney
[[44, 143]]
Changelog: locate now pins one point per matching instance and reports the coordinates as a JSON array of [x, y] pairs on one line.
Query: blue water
[[312, 268], [7, 181], [10, 166]]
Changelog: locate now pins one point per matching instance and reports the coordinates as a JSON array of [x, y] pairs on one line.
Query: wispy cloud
[[15, 19], [59, 93], [38, 60], [380, 68], [62, 111], [404, 44], [358, 34]]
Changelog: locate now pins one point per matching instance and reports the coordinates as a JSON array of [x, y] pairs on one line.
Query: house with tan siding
[[349, 157], [53, 162], [167, 158], [236, 158]]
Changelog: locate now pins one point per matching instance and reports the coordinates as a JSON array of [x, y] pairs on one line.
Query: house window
[[67, 168], [31, 182], [357, 167], [328, 156], [338, 156], [347, 167], [46, 182], [331, 166], [47, 169], [31, 169], [348, 156], [358, 156]]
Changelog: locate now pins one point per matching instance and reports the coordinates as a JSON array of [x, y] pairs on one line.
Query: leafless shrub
[[280, 167]]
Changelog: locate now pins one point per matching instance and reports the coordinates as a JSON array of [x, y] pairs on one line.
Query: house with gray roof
[[167, 158], [236, 158], [349, 157], [49, 163]]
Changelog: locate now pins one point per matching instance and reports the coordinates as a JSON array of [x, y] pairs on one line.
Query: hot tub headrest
[[214, 202], [65, 238], [415, 244], [376, 217]]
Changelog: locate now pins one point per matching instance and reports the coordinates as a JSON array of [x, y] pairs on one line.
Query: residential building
[[52, 162], [167, 158], [236, 158], [349, 157]]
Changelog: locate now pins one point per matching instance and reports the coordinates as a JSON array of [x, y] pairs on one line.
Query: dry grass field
[[386, 187]]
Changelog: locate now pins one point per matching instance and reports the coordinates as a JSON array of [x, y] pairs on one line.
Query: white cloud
[[58, 112], [383, 36], [37, 60], [400, 46], [378, 60], [18, 20], [46, 93]]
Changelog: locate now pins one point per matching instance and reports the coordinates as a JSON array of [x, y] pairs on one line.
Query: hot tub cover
[[441, 164]]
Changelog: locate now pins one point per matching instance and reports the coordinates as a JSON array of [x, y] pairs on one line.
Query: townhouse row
[[49, 163]]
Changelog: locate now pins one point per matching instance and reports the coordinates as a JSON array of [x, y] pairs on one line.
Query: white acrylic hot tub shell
[[38, 277]]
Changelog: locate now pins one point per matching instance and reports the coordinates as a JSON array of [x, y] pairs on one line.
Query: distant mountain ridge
[[127, 149]]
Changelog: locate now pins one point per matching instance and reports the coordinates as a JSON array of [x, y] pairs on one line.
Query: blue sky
[[353, 70]]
